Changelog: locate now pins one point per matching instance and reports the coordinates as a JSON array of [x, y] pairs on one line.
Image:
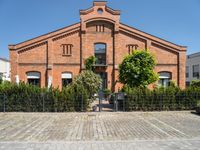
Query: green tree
[[90, 81], [89, 63], [136, 70]]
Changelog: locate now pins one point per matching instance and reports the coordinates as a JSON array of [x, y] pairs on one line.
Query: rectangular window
[[67, 49], [100, 53], [35, 82], [131, 47], [33, 78], [187, 71], [100, 28], [195, 71], [187, 83], [66, 78], [66, 82]]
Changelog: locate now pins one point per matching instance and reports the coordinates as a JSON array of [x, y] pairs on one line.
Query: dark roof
[[193, 55], [4, 59]]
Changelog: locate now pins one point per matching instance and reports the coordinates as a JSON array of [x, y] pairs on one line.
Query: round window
[[100, 11]]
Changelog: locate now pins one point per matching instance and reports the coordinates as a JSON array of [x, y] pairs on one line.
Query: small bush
[[90, 81], [89, 63]]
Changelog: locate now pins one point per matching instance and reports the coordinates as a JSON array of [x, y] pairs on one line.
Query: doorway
[[103, 76]]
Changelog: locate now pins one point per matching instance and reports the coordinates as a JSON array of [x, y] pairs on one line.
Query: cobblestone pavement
[[102, 131]]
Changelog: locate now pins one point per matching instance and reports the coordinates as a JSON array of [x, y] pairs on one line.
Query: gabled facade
[[57, 57]]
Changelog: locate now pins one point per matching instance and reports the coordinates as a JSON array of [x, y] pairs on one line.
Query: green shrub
[[169, 98], [28, 98], [195, 83], [198, 103]]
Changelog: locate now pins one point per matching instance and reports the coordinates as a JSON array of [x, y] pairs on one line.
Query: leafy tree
[[136, 70], [90, 81], [89, 62]]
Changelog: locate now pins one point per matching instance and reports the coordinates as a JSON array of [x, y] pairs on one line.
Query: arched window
[[66, 78], [100, 53], [164, 78], [33, 78]]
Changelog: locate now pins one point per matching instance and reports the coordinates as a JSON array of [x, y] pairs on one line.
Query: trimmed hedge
[[28, 98], [171, 98]]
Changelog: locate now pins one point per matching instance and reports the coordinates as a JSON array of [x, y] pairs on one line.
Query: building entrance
[[103, 76]]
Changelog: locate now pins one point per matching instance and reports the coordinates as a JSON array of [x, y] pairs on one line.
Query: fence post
[[81, 102], [99, 104], [124, 103], [116, 102], [4, 103], [43, 102]]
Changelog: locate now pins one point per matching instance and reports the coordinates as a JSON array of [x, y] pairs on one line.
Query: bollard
[[124, 104], [99, 105], [4, 103]]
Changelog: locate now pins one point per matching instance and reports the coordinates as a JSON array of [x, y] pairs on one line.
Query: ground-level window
[[187, 71], [187, 83], [195, 69], [1, 75], [33, 78], [164, 78], [66, 79]]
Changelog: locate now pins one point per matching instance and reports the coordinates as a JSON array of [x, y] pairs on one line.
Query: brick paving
[[107, 130]]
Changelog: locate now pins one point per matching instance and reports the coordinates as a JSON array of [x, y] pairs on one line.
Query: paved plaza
[[102, 131]]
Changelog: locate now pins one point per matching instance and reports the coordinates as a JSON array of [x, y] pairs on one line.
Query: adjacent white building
[[192, 68], [5, 69]]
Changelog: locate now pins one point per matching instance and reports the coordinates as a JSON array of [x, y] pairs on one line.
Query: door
[[103, 76]]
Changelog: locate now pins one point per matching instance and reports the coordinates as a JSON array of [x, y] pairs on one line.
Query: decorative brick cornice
[[112, 11], [65, 35], [31, 47], [153, 38], [45, 37], [85, 12]]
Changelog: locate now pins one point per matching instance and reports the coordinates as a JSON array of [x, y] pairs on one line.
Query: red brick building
[[57, 57]]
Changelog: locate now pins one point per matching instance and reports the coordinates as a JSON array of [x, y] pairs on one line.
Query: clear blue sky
[[177, 21]]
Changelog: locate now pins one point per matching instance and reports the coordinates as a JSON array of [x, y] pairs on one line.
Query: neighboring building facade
[[192, 67], [5, 69], [55, 58]]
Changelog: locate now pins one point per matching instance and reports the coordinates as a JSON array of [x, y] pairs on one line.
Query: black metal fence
[[156, 102], [42, 103], [122, 102]]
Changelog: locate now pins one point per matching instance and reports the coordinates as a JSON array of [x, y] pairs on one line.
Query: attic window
[[66, 49], [131, 47], [100, 11]]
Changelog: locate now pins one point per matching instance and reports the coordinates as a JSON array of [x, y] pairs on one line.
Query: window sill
[[67, 55]]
